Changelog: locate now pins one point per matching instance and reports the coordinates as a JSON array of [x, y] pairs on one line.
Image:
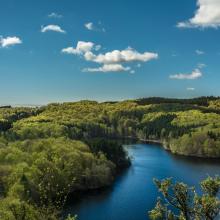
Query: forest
[[50, 152]]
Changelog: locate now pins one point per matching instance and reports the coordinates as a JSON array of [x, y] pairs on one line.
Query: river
[[133, 193]]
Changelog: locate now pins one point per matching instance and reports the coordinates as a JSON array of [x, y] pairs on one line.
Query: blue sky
[[126, 49]]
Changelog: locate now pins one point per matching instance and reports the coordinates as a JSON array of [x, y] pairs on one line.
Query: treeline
[[171, 123], [9, 115], [201, 101]]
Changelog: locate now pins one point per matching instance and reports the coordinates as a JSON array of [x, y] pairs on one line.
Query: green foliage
[[45, 171], [200, 101], [181, 202], [111, 149], [16, 209], [49, 152], [69, 217], [198, 143], [188, 127]]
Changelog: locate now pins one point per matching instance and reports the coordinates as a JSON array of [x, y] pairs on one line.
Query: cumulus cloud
[[81, 48], [190, 89], [199, 52], [90, 26], [9, 41], [52, 27], [110, 61], [108, 68], [117, 56], [55, 15], [206, 16], [181, 76]]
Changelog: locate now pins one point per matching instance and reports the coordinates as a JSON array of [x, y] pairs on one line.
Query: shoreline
[[165, 146], [151, 141]]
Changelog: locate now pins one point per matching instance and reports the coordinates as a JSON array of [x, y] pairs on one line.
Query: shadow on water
[[195, 160], [99, 194]]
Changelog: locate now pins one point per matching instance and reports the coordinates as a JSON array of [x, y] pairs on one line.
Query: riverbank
[[168, 147], [133, 193]]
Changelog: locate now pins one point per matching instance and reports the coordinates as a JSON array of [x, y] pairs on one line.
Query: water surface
[[133, 194]]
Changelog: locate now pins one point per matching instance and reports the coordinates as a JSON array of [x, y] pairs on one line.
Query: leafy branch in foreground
[[181, 202]]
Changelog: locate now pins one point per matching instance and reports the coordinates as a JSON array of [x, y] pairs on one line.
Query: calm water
[[133, 193]]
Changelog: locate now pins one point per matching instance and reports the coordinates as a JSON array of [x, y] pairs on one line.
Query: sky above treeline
[[64, 50]]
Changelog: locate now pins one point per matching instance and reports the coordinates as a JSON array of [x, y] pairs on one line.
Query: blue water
[[133, 194]]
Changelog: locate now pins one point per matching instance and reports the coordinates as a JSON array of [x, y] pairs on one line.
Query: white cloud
[[201, 65], [199, 52], [81, 48], [108, 68], [190, 89], [55, 15], [194, 75], [110, 61], [52, 27], [117, 56], [9, 41], [206, 16], [90, 26]]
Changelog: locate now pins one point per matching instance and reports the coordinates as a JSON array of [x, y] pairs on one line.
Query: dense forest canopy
[[202, 101], [48, 152], [188, 126]]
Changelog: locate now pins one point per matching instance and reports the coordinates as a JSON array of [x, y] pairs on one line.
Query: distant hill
[[185, 126]]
